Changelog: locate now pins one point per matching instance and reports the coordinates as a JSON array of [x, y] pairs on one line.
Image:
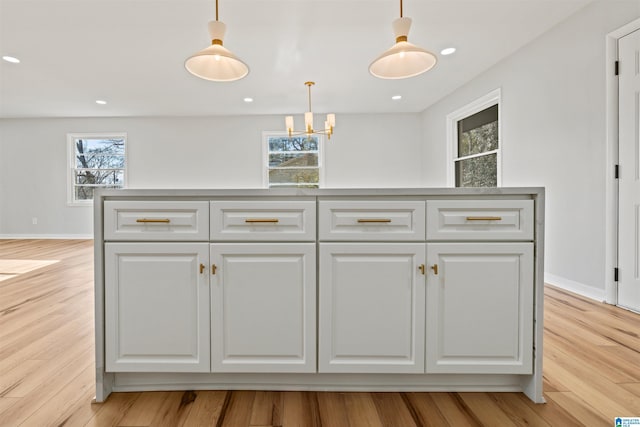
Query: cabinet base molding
[[128, 382]]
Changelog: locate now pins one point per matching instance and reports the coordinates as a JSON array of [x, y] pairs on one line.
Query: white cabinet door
[[263, 301], [371, 308], [479, 307], [157, 307]]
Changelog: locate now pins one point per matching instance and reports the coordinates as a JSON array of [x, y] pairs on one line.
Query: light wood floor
[[591, 366]]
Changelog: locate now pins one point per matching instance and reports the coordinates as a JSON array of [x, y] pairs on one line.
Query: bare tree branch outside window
[[99, 162]]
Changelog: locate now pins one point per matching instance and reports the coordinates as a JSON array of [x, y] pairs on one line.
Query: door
[[629, 177], [479, 308], [157, 307], [371, 308], [263, 307]]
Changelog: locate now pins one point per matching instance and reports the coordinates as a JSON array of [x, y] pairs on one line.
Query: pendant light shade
[[403, 59], [216, 63]]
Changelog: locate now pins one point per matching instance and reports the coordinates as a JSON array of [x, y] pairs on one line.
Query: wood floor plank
[[518, 411], [6, 403], [267, 409], [551, 412], [454, 410], [144, 409], [48, 389], [580, 410], [600, 358], [206, 409], [425, 410], [107, 413], [392, 410], [361, 410], [57, 409], [174, 409], [332, 409], [599, 394], [238, 410], [300, 409], [486, 410]]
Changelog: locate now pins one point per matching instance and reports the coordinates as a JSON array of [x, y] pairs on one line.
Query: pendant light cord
[[217, 9], [400, 7]]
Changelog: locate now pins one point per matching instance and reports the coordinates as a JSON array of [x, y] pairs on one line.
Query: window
[[95, 161], [292, 161], [474, 143]]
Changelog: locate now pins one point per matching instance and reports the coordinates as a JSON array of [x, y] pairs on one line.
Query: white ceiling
[[131, 53]]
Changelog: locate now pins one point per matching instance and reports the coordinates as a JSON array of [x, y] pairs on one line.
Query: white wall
[[553, 128], [203, 152]]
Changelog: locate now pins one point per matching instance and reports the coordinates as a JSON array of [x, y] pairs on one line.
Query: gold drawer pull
[[145, 220], [434, 267], [376, 220], [262, 220], [484, 218]]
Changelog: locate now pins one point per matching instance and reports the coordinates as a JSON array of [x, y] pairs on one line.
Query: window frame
[[71, 162], [265, 158], [489, 100]]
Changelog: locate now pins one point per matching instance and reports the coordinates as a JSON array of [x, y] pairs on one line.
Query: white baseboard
[[47, 236], [575, 287]]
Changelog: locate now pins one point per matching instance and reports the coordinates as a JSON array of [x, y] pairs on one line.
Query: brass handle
[[378, 220], [434, 267], [213, 269], [484, 218], [261, 220], [421, 268], [163, 220], [202, 268]]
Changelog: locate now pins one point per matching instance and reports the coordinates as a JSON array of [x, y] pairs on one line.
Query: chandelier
[[329, 124], [216, 63], [403, 59]]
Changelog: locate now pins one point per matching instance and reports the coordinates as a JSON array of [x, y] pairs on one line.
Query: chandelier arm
[[315, 132]]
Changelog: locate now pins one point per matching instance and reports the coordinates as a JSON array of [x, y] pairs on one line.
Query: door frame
[[611, 159]]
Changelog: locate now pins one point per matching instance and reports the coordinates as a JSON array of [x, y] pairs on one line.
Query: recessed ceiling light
[[448, 51], [396, 97], [101, 102], [248, 100], [11, 59]]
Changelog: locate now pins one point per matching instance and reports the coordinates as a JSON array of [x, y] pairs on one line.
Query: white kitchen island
[[319, 289]]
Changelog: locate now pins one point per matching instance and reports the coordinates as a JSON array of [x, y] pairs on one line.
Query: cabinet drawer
[[156, 220], [374, 220], [480, 220], [263, 220]]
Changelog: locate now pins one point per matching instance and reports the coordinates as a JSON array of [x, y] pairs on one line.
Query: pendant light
[[216, 63], [329, 123], [403, 59]]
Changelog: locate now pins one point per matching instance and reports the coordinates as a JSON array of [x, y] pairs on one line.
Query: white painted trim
[[575, 287], [611, 159], [47, 236], [492, 98]]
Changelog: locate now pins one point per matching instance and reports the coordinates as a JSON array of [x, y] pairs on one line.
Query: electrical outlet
[[34, 220]]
